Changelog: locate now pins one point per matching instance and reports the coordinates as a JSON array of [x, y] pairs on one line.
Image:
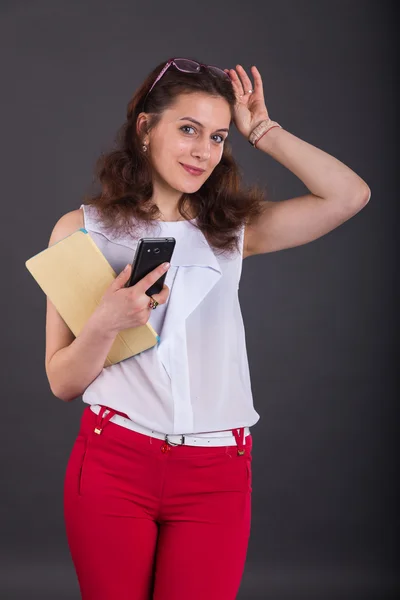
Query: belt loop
[[240, 440], [102, 420]]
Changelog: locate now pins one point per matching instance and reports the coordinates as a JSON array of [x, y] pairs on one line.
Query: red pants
[[150, 522]]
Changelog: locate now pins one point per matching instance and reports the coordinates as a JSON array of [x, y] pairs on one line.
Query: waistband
[[215, 438]]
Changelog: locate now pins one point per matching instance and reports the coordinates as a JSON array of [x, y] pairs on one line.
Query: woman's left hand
[[250, 108]]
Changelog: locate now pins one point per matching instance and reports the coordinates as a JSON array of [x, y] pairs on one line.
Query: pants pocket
[[249, 475], [82, 467]]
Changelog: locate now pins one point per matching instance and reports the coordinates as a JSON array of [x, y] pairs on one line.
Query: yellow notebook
[[74, 274]]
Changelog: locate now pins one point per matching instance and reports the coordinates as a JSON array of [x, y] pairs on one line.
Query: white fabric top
[[196, 379]]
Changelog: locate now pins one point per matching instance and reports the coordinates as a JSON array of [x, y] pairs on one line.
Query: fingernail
[[166, 266]]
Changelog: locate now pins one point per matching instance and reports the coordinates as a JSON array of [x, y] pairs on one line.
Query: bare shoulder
[[66, 225]]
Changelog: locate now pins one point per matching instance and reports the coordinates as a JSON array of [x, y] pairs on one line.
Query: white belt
[[215, 438]]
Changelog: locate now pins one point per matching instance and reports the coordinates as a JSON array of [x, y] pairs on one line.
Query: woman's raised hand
[[250, 108]]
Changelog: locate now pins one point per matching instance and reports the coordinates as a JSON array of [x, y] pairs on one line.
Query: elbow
[[57, 387], [365, 196], [357, 199], [60, 393], [66, 397]]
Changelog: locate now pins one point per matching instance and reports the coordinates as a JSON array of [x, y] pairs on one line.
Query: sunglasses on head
[[187, 66]]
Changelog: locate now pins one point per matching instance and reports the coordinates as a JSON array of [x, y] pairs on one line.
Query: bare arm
[[73, 368], [337, 194], [73, 363]]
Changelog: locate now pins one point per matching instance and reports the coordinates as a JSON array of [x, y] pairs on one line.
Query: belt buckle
[[172, 443]]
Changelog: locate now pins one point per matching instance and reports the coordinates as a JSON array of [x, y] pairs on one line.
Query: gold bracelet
[[261, 129]]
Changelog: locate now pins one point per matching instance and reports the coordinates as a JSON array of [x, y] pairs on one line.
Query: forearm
[[321, 173], [72, 369]]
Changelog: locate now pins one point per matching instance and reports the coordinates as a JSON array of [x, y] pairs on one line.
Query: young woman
[[158, 484]]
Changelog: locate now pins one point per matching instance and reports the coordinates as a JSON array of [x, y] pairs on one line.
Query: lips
[[192, 170]]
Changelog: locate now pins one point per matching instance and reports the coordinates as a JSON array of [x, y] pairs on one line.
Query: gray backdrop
[[320, 318]]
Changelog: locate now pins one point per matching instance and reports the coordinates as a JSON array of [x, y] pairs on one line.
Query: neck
[[169, 210], [167, 200]]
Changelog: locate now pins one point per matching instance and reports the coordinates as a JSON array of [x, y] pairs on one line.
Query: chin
[[185, 188]]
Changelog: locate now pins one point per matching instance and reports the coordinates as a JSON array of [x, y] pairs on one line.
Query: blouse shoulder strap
[[90, 217]]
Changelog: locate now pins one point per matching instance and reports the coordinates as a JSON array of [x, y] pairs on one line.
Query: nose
[[201, 149]]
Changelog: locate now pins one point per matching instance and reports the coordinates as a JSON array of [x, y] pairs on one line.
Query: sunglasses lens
[[218, 72], [186, 65]]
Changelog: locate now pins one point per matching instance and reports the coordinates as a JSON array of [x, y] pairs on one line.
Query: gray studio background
[[320, 319]]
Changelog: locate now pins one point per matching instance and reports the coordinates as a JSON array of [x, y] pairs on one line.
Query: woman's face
[[191, 132]]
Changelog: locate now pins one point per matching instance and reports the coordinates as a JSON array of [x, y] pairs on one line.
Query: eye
[[218, 141], [222, 139], [187, 127]]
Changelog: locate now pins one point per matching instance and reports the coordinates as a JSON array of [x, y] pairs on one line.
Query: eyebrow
[[200, 124]]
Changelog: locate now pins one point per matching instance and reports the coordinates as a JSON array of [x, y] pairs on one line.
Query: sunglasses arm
[[169, 63]]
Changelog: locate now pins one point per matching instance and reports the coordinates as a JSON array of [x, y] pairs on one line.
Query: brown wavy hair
[[222, 204]]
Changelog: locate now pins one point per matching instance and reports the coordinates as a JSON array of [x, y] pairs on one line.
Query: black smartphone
[[150, 253]]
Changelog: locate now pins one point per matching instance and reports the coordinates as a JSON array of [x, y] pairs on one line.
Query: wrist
[[100, 324], [261, 130], [267, 142]]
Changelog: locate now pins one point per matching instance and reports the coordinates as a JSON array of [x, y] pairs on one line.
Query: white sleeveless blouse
[[196, 379]]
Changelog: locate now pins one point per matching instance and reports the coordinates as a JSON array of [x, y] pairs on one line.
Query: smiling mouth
[[192, 170]]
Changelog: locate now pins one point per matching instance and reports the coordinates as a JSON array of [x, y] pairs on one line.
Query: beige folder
[[74, 274]]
